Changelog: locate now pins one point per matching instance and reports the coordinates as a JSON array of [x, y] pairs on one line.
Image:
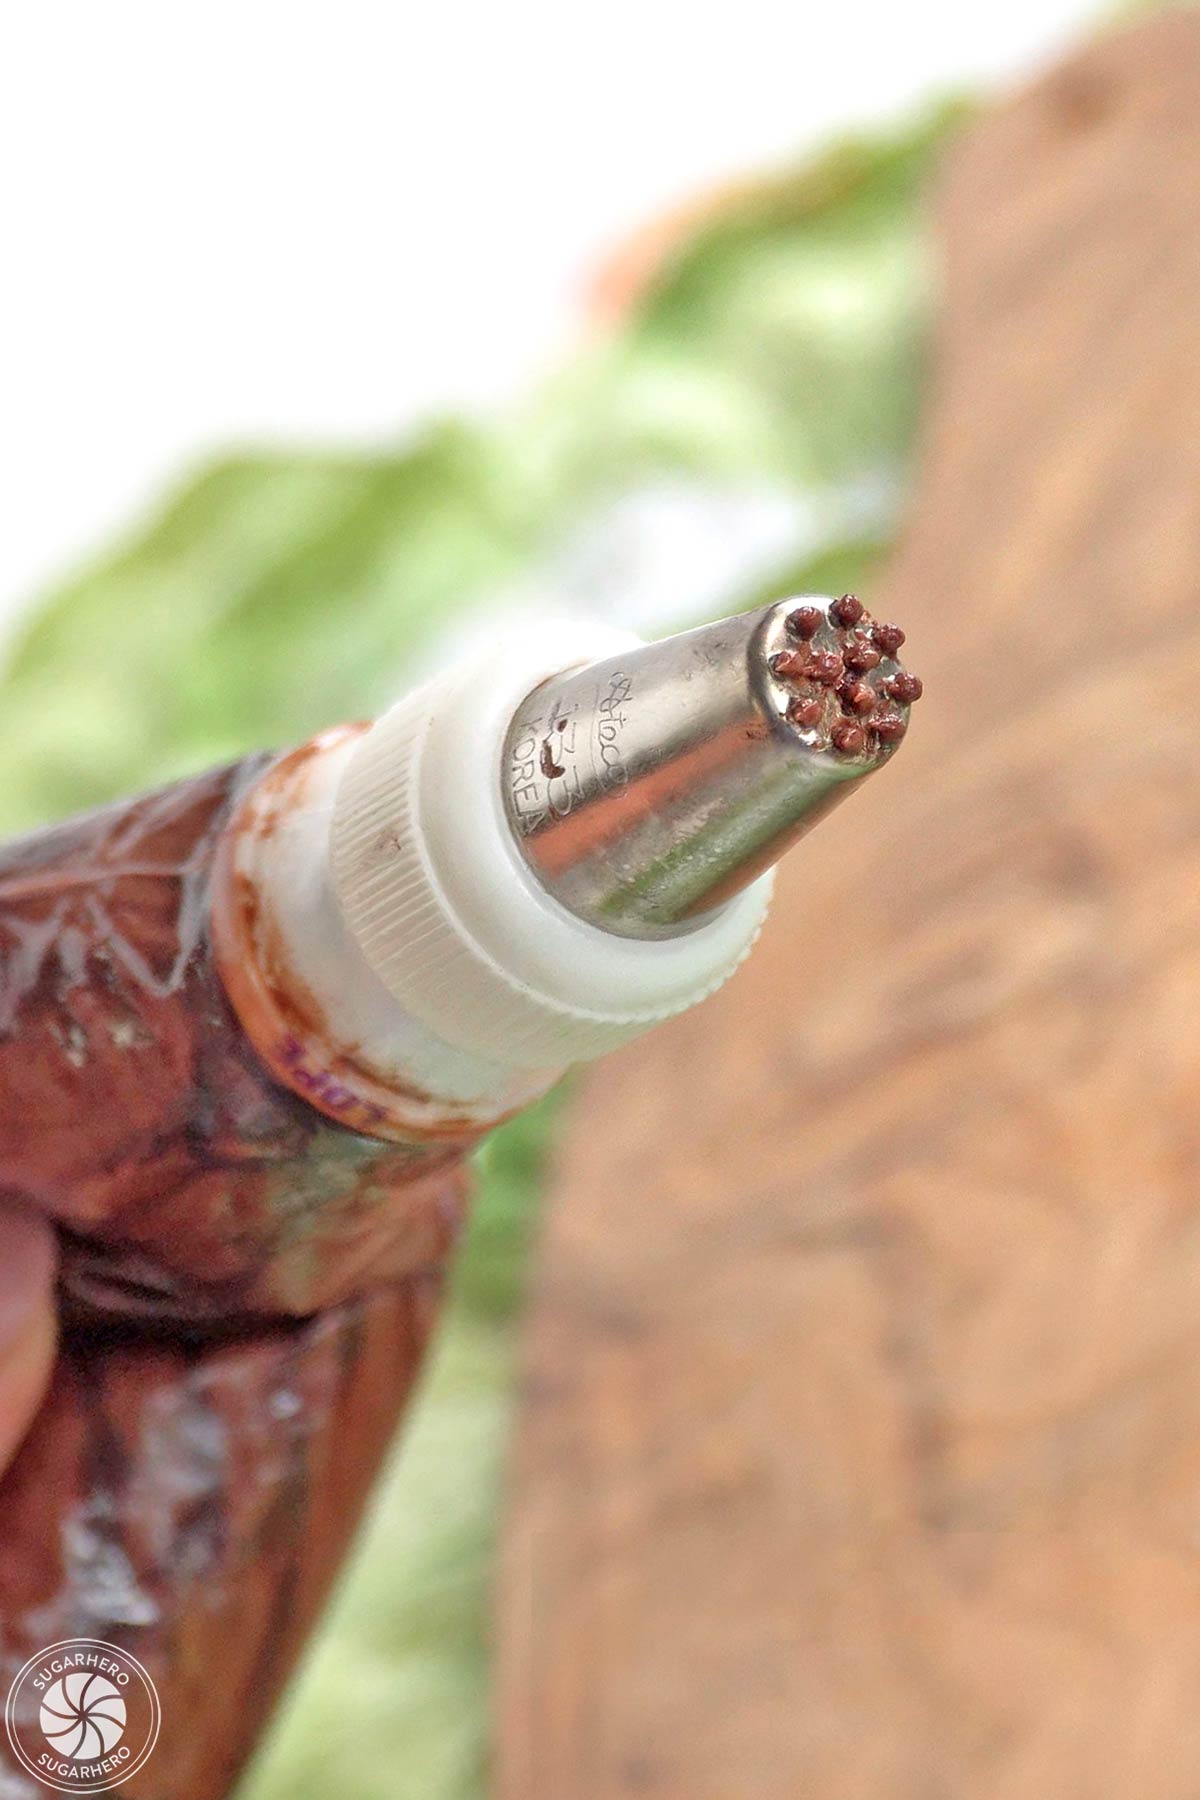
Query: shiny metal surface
[[647, 789]]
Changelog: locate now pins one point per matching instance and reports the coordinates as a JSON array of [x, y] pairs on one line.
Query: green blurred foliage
[[277, 592], [274, 594], [780, 343], [392, 1702]]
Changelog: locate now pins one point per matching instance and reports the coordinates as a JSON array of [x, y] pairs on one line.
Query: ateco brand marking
[[610, 719]]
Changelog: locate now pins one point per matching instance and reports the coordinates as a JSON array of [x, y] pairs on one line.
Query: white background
[[240, 220]]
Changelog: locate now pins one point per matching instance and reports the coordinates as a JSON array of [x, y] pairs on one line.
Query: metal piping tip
[[646, 790]]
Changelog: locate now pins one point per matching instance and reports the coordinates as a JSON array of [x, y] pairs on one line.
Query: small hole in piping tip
[[889, 727], [825, 667], [805, 711], [804, 622], [847, 738], [861, 653], [888, 637], [789, 665], [904, 687], [857, 697]]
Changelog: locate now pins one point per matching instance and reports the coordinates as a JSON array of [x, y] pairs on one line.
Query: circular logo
[[82, 1716]]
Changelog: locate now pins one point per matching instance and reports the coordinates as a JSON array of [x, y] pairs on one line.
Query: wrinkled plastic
[[192, 1183], [191, 1504], [191, 1484]]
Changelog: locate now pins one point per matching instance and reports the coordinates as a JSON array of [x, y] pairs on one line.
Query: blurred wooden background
[[860, 1453]]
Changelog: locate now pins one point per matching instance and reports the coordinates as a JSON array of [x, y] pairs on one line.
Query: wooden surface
[[860, 1453]]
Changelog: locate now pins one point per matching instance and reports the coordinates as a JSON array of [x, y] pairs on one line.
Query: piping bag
[[252, 1025]]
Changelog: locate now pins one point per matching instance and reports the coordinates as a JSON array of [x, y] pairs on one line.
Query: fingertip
[[28, 1262]]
